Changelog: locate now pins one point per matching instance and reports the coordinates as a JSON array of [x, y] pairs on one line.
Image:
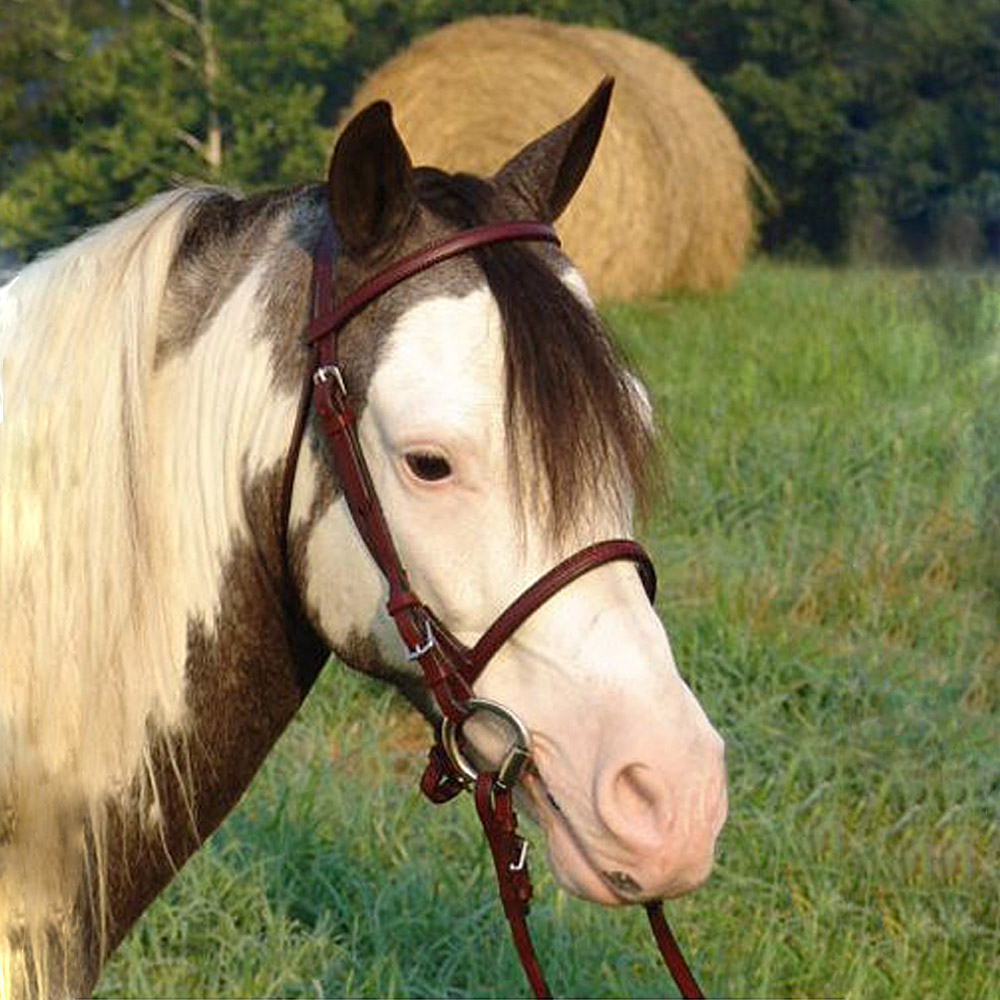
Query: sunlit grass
[[829, 557]]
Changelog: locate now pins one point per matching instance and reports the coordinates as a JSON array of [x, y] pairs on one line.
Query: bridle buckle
[[423, 648], [522, 857], [513, 766], [328, 373]]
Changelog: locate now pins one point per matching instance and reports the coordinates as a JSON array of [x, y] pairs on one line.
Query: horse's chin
[[570, 864]]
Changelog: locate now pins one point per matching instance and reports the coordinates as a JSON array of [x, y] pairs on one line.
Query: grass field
[[829, 558]]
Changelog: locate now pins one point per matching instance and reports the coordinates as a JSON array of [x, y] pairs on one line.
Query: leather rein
[[449, 668]]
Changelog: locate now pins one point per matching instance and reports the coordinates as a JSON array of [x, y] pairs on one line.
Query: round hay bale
[[666, 204]]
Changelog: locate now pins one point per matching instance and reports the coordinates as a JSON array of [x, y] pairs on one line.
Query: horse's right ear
[[547, 172], [370, 184]]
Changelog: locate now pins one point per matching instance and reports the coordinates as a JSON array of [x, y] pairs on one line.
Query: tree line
[[875, 124]]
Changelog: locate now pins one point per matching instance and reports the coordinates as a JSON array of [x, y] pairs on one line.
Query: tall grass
[[829, 555]]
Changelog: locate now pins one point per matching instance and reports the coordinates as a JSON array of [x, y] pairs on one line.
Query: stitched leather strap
[[548, 586], [509, 851], [420, 260], [673, 958]]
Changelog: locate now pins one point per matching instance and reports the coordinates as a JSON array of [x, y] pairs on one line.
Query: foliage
[[104, 141], [828, 566], [858, 112], [777, 70], [125, 107], [870, 120], [928, 123]]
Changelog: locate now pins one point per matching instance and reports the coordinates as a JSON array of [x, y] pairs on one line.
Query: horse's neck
[[170, 654], [220, 435], [222, 422]]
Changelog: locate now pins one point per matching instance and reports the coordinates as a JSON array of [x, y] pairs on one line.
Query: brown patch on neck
[[247, 673], [225, 238]]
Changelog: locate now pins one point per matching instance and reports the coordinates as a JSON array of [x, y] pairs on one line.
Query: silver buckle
[[325, 373], [517, 758], [522, 857], [424, 648]]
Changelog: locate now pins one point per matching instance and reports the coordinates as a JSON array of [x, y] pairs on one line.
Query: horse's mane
[[82, 673], [573, 411]]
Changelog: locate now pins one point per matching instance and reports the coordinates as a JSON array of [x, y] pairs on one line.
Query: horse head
[[502, 435]]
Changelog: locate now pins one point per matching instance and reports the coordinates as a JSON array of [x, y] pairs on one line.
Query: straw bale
[[666, 202]]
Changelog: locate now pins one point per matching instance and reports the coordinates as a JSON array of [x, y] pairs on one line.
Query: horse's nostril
[[636, 805]]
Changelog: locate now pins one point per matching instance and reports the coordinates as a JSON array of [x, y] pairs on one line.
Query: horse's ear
[[370, 184], [547, 172]]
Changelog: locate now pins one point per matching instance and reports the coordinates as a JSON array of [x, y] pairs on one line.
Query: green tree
[[927, 123], [37, 42], [134, 99], [101, 138], [850, 108], [778, 70]]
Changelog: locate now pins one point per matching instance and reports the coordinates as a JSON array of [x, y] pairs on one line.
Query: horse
[[173, 575]]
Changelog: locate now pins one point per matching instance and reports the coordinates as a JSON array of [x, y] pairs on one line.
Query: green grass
[[829, 559]]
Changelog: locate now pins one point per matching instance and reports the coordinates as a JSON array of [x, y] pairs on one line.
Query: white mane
[[78, 333]]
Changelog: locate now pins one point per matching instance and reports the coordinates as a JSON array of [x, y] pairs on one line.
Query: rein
[[449, 668]]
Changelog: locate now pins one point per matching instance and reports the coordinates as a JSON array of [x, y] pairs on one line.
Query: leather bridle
[[449, 668]]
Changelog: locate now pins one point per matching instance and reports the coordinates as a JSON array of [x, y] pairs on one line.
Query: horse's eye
[[428, 467]]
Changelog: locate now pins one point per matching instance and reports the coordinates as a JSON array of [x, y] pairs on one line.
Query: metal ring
[[517, 756]]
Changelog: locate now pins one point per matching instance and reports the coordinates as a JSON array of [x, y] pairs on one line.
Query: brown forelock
[[571, 410]]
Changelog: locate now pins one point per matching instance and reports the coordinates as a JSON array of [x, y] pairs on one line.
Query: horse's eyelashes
[[428, 467]]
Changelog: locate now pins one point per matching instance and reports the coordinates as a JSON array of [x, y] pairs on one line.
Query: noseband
[[449, 668]]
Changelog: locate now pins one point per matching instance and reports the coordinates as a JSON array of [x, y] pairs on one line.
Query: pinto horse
[[161, 622]]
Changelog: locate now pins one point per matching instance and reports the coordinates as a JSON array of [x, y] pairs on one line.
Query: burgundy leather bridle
[[449, 668]]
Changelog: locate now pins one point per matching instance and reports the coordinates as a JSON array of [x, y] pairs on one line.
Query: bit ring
[[516, 758]]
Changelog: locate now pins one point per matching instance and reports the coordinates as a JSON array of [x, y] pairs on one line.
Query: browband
[[420, 260]]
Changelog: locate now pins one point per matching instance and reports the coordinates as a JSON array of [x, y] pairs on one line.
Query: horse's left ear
[[370, 185], [547, 172]]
